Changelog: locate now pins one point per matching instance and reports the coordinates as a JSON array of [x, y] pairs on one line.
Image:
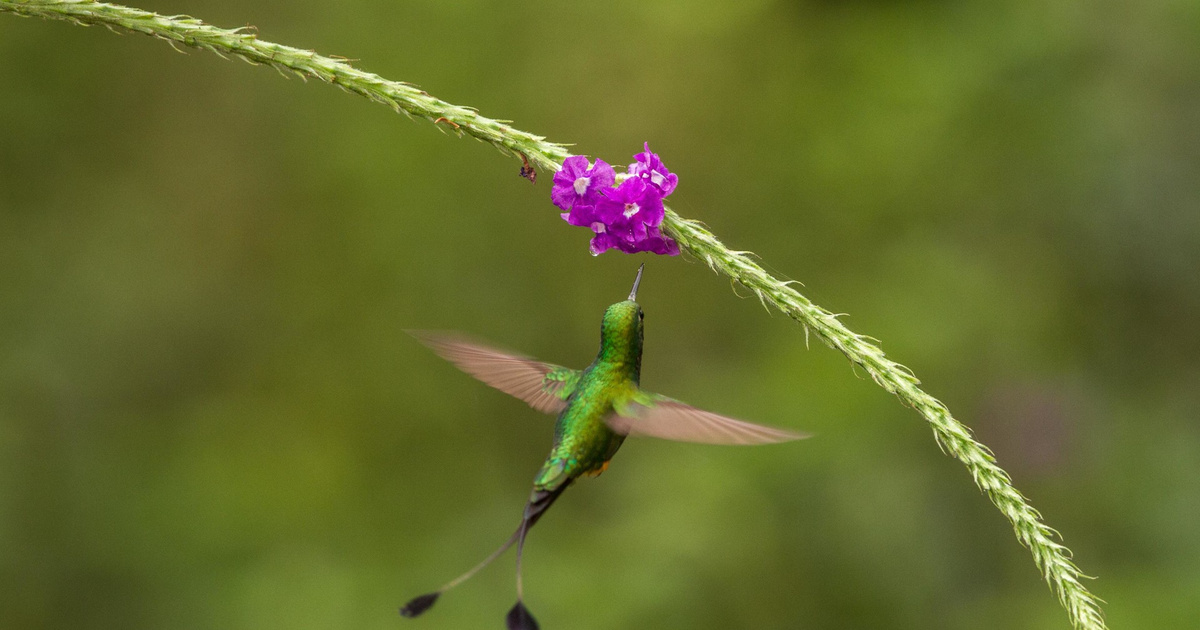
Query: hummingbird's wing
[[661, 417], [544, 386]]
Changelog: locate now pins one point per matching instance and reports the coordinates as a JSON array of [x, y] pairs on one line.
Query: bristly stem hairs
[[1050, 556]]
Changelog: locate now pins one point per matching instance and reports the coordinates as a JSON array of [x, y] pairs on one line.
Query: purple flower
[[626, 217], [651, 170], [578, 186], [633, 203]]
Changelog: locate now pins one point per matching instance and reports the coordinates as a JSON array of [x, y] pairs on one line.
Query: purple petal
[[581, 214], [562, 178], [602, 174], [601, 243], [650, 168], [563, 196], [665, 247], [591, 197], [632, 190], [661, 245], [573, 168], [609, 212], [652, 211], [646, 161], [619, 193], [668, 183], [608, 209], [627, 231]]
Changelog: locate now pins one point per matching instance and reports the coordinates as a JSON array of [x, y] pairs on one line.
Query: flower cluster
[[625, 216]]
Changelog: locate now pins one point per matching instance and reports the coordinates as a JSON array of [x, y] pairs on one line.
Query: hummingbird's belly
[[584, 443]]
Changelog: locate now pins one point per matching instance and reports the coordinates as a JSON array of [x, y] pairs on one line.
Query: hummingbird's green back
[[583, 441]]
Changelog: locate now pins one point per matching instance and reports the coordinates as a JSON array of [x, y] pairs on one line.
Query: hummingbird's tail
[[519, 617]]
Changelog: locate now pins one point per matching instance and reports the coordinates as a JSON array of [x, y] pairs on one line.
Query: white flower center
[[631, 209], [581, 185], [657, 178]]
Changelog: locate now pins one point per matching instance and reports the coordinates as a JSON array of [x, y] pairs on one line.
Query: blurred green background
[[210, 416]]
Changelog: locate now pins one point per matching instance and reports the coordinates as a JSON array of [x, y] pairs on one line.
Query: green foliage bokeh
[[210, 416]]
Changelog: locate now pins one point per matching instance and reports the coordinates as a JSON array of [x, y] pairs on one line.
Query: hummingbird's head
[[621, 330]]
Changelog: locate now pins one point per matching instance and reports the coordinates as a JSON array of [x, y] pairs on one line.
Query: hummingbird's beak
[[636, 282]]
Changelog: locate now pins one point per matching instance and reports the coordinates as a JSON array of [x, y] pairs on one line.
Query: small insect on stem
[[527, 170], [443, 119]]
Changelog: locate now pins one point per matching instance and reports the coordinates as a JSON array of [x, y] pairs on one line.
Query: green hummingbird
[[597, 408]]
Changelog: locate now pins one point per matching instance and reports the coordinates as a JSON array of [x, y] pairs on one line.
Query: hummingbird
[[597, 408]]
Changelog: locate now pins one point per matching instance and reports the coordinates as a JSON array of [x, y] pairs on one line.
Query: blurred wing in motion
[[661, 417], [544, 386]]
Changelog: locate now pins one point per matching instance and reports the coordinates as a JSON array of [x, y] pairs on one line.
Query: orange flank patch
[[596, 473]]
